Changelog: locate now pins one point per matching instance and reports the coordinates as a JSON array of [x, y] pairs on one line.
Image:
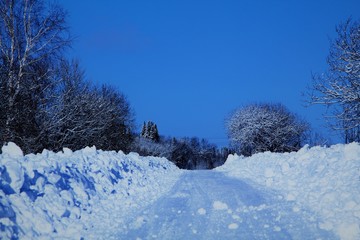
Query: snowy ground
[[325, 181], [83, 194], [91, 194], [209, 205]]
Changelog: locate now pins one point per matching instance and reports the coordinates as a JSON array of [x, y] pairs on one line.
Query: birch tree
[[33, 35]]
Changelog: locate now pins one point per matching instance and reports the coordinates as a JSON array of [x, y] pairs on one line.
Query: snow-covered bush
[[265, 127]]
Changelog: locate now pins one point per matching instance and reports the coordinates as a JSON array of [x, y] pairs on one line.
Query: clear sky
[[187, 64]]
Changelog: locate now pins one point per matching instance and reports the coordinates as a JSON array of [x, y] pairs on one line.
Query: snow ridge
[[325, 180], [70, 194]]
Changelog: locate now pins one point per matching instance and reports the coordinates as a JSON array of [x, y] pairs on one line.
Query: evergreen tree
[[143, 130], [154, 134], [150, 128], [150, 131]]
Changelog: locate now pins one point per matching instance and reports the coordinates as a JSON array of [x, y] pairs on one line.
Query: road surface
[[210, 205]]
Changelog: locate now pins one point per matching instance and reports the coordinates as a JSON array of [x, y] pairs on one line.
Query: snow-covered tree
[[339, 88], [150, 131], [143, 130], [265, 127], [83, 115], [33, 34], [45, 102], [154, 133]]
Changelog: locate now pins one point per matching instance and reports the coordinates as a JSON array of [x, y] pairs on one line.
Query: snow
[[231, 208], [201, 211], [324, 180], [12, 150], [233, 226], [218, 205], [74, 194], [92, 194]]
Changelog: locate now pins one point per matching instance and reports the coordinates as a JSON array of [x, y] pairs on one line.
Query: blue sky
[[187, 64]]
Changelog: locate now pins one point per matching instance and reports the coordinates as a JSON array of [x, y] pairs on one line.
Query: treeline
[[45, 100], [186, 153]]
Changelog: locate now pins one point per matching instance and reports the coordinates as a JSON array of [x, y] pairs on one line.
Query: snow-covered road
[[92, 194], [211, 205]]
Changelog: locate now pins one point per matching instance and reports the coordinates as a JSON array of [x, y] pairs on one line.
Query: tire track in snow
[[210, 205]]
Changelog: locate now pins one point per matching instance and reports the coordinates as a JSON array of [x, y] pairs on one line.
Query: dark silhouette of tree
[[33, 36], [186, 153], [45, 102], [150, 131], [143, 130]]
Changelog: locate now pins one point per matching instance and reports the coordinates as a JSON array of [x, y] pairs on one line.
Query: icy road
[[210, 205]]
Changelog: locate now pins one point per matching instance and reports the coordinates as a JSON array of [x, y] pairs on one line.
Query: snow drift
[[76, 194], [92, 194], [325, 180]]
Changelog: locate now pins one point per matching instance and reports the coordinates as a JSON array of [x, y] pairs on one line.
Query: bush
[[265, 127]]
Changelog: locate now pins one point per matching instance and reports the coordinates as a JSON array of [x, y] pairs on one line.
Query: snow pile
[[324, 180], [84, 194]]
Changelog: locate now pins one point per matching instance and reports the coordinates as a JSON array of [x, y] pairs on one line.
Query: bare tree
[[339, 88], [118, 131], [32, 37], [45, 102], [81, 115], [265, 127]]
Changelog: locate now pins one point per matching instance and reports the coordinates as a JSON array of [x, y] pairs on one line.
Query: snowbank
[[324, 180], [83, 194]]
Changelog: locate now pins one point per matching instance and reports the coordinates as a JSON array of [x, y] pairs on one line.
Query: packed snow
[[218, 205], [211, 205], [93, 194]]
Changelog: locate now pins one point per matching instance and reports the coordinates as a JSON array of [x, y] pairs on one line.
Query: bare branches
[[83, 115], [31, 32], [339, 89], [32, 37], [45, 102]]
